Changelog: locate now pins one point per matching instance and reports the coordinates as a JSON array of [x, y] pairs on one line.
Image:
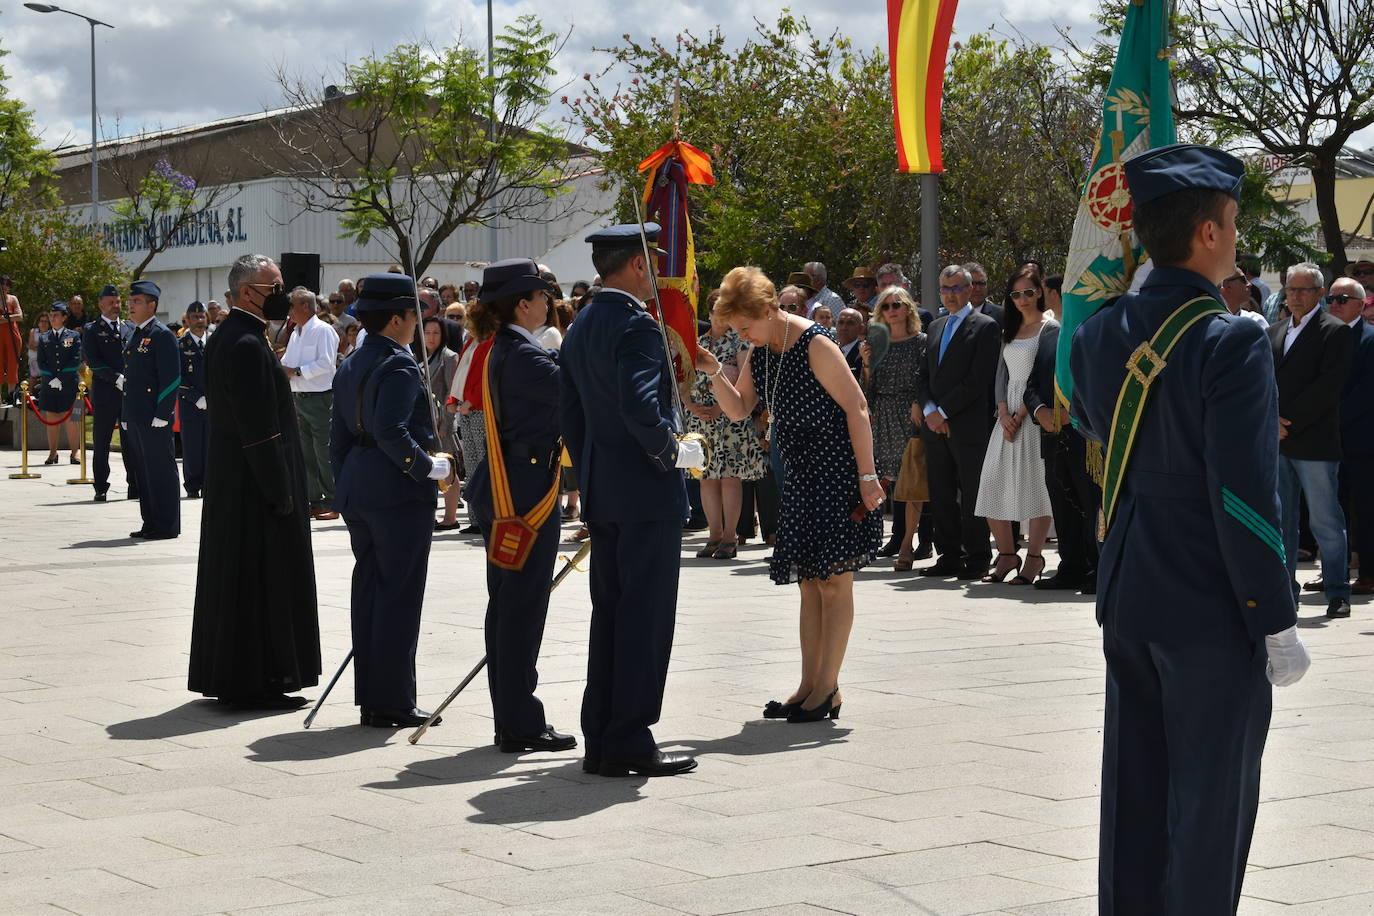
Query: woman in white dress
[[1012, 487]]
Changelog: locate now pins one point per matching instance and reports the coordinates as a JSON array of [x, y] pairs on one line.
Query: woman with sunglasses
[[891, 386], [1012, 487]]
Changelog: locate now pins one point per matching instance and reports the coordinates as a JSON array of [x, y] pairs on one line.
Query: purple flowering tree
[[159, 205]]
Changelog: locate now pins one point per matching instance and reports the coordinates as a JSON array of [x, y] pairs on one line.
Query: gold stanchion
[[81, 426], [24, 435]]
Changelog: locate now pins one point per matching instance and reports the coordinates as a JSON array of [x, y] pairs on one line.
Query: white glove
[[1288, 658], [158, 423], [441, 469], [124, 426], [200, 402], [690, 454], [56, 383], [119, 382]]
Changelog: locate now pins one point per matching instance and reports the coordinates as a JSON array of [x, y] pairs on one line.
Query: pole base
[[26, 476], [83, 480]]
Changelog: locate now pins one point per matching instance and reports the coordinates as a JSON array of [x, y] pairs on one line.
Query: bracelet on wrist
[[867, 477]]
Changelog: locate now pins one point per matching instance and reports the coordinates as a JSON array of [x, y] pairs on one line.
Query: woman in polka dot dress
[[827, 527]]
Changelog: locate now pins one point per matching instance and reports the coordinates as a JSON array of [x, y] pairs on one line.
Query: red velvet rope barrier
[[65, 417]]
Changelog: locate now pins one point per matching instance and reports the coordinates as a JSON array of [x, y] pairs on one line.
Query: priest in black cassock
[[256, 636]]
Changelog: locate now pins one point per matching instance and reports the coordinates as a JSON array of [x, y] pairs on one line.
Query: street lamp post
[[491, 123], [95, 173]]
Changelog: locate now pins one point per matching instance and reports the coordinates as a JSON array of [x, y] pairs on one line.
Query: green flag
[[1136, 116]]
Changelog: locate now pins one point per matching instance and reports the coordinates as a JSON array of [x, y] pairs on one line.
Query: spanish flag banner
[[672, 167], [918, 38], [1137, 115]]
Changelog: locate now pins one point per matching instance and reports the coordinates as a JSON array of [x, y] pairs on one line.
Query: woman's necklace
[[771, 398]]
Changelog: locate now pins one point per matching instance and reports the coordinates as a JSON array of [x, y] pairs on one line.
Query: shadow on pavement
[[319, 743], [113, 542], [187, 719]]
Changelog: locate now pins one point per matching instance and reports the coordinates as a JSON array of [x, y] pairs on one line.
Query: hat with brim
[[861, 273], [109, 289], [512, 277], [627, 235], [1182, 167], [800, 278], [385, 292], [58, 307]]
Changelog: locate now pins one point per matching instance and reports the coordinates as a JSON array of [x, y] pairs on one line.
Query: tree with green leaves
[[26, 168], [799, 127], [53, 254], [416, 143]]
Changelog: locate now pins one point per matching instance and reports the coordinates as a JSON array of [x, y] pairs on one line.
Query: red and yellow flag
[[672, 167], [918, 38]]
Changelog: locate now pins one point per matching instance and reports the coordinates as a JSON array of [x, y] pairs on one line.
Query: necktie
[[949, 333]]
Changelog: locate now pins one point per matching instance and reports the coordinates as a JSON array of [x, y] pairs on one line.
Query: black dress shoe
[[470, 529], [590, 765], [1339, 607], [193, 494], [140, 533], [660, 764], [100, 497], [388, 718], [1060, 580], [893, 545], [264, 701], [924, 551], [1089, 586], [157, 535], [547, 740], [973, 571], [133, 494], [942, 570]]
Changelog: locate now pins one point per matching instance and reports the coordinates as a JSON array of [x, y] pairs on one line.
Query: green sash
[[1142, 369]]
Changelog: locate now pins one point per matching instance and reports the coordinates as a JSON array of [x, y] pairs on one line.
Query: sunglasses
[[893, 306], [1341, 298], [272, 287], [336, 302], [1024, 293]]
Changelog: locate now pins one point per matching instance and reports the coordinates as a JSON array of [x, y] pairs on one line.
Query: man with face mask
[[255, 635]]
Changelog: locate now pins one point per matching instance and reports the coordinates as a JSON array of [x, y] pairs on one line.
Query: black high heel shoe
[[829, 709], [775, 710], [708, 550]]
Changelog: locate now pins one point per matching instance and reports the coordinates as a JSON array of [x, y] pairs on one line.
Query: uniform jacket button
[[1250, 604]]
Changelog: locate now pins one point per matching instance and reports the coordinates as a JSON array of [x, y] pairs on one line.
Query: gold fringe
[[1096, 462]]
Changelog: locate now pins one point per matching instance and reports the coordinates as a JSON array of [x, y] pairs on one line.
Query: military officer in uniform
[[191, 400], [59, 358], [520, 472], [618, 419], [1192, 591], [102, 346], [385, 488], [150, 380]]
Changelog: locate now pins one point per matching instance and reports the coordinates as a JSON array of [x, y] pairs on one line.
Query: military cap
[[58, 306], [1181, 167], [503, 279], [196, 306], [626, 236], [145, 288], [385, 292], [109, 289]]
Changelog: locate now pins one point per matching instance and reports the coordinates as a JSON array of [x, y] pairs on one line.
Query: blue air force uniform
[[191, 407], [152, 374], [524, 393], [1191, 580], [102, 346], [59, 357], [379, 433], [617, 420]]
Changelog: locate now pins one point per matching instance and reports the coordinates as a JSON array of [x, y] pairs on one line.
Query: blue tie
[[949, 333]]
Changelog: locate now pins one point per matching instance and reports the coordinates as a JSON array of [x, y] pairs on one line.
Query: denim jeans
[[1315, 480]]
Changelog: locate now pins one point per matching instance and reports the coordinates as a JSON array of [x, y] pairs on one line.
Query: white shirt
[[1294, 329], [529, 335], [313, 348], [548, 338], [847, 348], [827, 297]]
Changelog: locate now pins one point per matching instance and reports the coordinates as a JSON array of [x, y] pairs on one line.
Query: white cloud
[[170, 64]]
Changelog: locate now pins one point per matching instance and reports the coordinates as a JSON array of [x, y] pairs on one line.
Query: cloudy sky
[[177, 62]]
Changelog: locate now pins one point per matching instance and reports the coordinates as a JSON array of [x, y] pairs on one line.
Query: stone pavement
[[961, 778]]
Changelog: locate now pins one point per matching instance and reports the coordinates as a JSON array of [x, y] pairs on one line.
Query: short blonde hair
[[746, 292], [913, 320]]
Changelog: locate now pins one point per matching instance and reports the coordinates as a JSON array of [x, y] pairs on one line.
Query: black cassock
[[256, 629]]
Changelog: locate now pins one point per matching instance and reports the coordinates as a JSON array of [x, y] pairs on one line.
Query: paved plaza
[[961, 777]]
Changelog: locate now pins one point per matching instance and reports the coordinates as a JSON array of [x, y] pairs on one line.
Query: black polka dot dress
[[816, 536]]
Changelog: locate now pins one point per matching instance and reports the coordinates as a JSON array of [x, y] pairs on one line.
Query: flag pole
[[930, 242]]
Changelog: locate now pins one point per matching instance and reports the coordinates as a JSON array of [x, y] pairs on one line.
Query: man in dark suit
[[978, 292], [1197, 619], [152, 373], [1345, 302], [380, 430], [1074, 496], [1312, 353], [849, 325], [618, 421], [102, 346], [956, 397], [191, 400]]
